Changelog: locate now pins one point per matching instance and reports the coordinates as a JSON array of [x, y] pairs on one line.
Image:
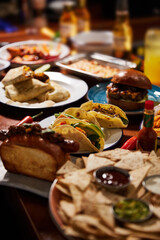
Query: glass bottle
[[147, 137], [83, 16], [68, 22], [122, 31], [152, 55], [39, 13]]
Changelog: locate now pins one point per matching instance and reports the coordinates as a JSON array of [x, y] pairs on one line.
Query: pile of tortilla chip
[[85, 207]]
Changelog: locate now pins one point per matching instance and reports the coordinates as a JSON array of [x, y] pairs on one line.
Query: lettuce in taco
[[89, 135], [78, 113]]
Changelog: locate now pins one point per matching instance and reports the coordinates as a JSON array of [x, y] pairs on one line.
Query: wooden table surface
[[27, 214]]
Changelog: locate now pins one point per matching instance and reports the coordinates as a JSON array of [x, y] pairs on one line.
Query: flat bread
[[16, 75], [26, 90], [57, 94]]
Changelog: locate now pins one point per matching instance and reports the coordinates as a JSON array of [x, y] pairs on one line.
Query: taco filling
[[89, 131], [86, 133]]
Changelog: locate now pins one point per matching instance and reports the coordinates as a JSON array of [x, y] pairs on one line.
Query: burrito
[[89, 135], [108, 115], [16, 75]]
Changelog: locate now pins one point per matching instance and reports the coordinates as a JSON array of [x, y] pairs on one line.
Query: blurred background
[[17, 10], [33, 15]]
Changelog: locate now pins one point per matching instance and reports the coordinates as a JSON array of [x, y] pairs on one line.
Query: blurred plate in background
[[57, 51], [93, 41]]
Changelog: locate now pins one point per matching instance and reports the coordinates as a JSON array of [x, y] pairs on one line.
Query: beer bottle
[[122, 31], [68, 22], [83, 16]]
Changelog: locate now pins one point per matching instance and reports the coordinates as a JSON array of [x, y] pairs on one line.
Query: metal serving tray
[[100, 58]]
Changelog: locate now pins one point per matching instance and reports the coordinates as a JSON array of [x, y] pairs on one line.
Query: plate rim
[[141, 111], [59, 104], [51, 200]]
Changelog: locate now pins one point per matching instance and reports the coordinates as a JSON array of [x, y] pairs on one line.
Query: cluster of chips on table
[[85, 207]]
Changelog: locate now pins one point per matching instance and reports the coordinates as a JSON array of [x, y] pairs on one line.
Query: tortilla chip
[[85, 159], [63, 189], [114, 154], [76, 196], [78, 178], [91, 225], [67, 168], [137, 177], [106, 214], [145, 236], [131, 161], [106, 197], [141, 192], [80, 163], [150, 226], [122, 231], [69, 230], [68, 208], [94, 162], [63, 216], [155, 161]]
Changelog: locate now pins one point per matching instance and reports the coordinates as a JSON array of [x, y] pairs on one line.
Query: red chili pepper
[[130, 144], [28, 119]]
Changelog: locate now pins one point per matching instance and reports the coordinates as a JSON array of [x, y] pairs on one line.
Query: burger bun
[[132, 77]]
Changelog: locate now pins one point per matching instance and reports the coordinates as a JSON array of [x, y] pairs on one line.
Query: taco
[[108, 115], [89, 135], [78, 113]]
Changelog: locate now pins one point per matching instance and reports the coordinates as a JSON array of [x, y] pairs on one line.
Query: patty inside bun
[[128, 89]]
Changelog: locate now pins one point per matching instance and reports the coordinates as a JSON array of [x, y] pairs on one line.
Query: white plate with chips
[[112, 136]]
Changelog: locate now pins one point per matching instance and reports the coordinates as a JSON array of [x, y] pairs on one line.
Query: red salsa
[[113, 178]]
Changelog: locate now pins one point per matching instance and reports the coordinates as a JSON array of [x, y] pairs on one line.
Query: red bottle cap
[[149, 105]]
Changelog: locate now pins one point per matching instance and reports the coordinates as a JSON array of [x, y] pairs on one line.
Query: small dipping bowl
[[112, 178], [132, 210], [152, 184]]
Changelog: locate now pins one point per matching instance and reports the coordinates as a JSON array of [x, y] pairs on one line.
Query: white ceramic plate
[[112, 136], [72, 84], [55, 48]]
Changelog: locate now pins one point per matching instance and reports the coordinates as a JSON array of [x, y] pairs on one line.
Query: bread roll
[[33, 152]]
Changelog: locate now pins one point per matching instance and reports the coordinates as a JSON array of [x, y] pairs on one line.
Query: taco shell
[[81, 131], [108, 115], [79, 113]]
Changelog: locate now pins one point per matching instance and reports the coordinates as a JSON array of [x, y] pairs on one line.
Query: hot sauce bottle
[[147, 137]]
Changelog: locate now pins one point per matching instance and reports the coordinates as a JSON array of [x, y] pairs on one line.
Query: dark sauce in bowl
[[112, 178]]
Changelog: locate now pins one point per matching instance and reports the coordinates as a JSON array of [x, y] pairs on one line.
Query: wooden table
[[25, 214]]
